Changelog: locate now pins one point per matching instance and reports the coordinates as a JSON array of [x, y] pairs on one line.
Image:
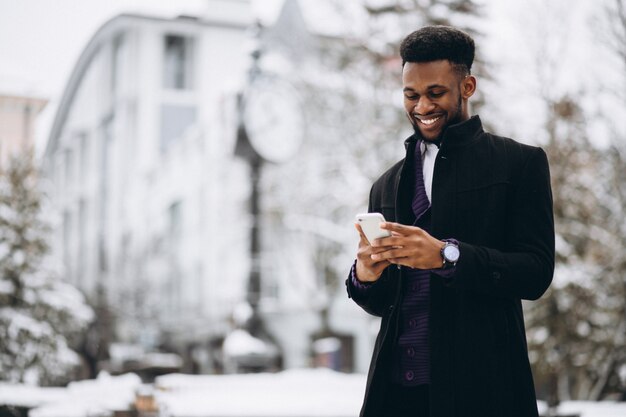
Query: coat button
[[496, 276], [412, 323], [411, 352], [409, 375]]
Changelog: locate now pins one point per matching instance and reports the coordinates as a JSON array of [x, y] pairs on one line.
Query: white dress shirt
[[429, 154]]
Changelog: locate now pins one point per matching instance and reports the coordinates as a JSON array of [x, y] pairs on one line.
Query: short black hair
[[433, 43]]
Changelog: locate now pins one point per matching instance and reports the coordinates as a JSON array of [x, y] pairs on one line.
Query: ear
[[468, 86]]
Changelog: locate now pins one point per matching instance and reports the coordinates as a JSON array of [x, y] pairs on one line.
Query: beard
[[453, 118]]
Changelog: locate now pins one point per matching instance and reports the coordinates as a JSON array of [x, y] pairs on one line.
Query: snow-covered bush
[[40, 313]]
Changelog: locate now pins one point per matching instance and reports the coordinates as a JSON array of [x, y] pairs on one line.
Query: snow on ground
[[302, 393], [93, 397], [21, 395], [296, 393], [590, 409], [292, 393]]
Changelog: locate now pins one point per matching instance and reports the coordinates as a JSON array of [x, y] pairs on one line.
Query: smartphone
[[370, 223]]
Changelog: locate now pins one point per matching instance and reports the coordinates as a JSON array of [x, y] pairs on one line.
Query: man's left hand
[[411, 246]]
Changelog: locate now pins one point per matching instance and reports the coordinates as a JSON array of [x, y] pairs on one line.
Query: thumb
[[364, 240]]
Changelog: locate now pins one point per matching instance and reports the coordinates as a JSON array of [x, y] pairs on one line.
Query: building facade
[[153, 199]]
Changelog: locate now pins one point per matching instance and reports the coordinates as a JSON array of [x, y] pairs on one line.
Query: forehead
[[421, 75]]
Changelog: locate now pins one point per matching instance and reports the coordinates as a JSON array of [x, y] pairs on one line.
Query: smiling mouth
[[429, 121]]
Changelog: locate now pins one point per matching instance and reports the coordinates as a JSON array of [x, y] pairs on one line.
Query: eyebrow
[[430, 87]]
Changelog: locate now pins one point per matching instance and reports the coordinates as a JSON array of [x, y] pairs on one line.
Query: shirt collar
[[456, 135], [428, 146]]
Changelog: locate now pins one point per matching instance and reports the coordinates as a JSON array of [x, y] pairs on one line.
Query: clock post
[[268, 131], [254, 281], [245, 149]]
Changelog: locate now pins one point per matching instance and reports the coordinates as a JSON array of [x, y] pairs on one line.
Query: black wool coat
[[493, 195]]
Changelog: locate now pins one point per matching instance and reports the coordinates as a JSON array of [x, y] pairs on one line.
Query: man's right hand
[[368, 270]]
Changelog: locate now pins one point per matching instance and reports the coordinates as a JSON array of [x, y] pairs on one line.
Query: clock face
[[273, 120]]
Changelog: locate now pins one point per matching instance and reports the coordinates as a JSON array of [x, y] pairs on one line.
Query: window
[[105, 147], [119, 57], [175, 279], [177, 63], [68, 256], [130, 127], [175, 220], [82, 242], [83, 155], [175, 120], [69, 168]]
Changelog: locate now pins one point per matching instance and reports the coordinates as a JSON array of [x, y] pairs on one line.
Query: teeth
[[429, 121]]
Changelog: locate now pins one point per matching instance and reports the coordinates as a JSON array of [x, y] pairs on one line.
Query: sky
[[41, 40]]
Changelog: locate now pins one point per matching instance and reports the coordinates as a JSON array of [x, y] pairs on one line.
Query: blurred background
[[179, 182]]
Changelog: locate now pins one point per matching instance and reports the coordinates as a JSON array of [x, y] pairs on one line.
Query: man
[[472, 234]]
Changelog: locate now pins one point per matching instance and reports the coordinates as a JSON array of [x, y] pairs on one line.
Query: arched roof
[[103, 35]]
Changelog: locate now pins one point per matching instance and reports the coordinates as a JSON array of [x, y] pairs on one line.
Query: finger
[[390, 254], [361, 234], [397, 240], [399, 228], [382, 249], [379, 249]]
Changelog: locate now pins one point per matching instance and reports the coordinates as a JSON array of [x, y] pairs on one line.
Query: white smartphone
[[370, 223]]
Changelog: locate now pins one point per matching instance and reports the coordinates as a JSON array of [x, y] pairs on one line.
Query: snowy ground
[[80, 399], [309, 393], [293, 393]]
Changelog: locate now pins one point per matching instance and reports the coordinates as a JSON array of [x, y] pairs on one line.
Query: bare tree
[[355, 128], [577, 332]]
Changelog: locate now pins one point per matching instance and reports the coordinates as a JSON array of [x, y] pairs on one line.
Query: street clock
[[273, 120]]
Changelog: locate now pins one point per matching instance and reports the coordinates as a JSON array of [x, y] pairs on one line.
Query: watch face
[[273, 121], [451, 253]]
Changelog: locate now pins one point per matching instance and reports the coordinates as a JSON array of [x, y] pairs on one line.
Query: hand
[[367, 269], [408, 246]]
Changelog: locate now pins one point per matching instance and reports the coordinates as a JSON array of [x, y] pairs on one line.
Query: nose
[[423, 106]]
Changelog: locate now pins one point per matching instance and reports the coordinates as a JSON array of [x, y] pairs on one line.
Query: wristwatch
[[450, 253]]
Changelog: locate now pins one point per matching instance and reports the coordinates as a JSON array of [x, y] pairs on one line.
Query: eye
[[411, 97], [437, 94]]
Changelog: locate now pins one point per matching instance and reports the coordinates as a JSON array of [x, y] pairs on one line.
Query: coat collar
[[459, 134]]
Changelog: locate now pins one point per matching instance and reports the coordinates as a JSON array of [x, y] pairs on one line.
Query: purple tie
[[420, 200]]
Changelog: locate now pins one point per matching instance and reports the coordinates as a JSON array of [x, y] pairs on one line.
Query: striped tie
[[420, 200]]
